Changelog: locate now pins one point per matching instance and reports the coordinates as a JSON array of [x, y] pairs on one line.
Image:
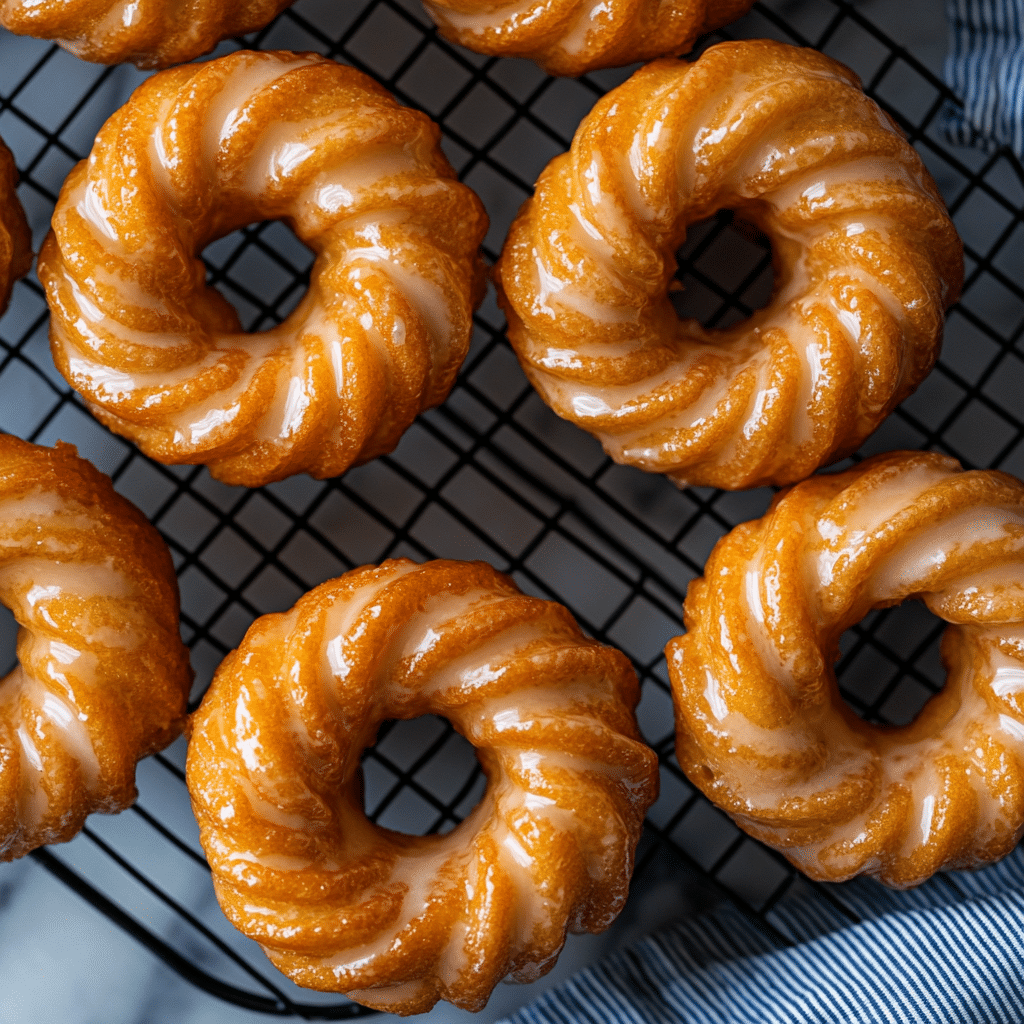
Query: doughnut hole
[[724, 271], [262, 270], [889, 665], [421, 777], [8, 641]]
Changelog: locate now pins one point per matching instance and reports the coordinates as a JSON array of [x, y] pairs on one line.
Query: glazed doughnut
[[761, 726], [15, 237], [202, 150], [572, 37], [102, 677], [149, 33], [866, 260], [399, 921]]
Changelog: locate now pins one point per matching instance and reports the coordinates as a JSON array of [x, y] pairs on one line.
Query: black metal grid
[[492, 473]]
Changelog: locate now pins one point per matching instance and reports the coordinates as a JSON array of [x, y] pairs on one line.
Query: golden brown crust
[[572, 37], [397, 921], [148, 33], [202, 150], [761, 726], [103, 676], [15, 237], [866, 260]]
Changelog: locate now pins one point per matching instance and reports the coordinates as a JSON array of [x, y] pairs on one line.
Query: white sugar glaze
[[226, 112], [911, 765], [35, 711], [487, 15], [1002, 529], [40, 704], [870, 514], [29, 587]]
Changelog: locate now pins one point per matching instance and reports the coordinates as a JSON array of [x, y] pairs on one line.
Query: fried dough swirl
[[148, 33], [761, 726], [102, 677], [866, 260], [572, 37], [202, 150], [398, 921]]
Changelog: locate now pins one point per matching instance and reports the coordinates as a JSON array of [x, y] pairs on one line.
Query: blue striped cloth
[[950, 952], [985, 68]]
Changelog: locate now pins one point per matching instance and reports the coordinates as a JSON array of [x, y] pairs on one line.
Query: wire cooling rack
[[492, 473]]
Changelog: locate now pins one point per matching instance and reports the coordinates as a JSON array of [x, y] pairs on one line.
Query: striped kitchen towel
[[950, 952], [985, 68]]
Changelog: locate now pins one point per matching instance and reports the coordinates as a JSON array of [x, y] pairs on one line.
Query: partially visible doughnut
[[761, 726], [572, 37], [398, 921], [102, 677], [15, 237], [148, 33], [202, 150], [866, 260]]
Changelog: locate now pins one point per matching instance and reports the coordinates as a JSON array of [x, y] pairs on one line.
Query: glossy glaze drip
[[38, 715]]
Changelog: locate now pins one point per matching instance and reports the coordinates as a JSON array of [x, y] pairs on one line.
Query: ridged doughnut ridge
[[398, 921], [866, 260], [761, 726], [15, 237], [202, 150], [148, 33], [102, 676], [572, 37]]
